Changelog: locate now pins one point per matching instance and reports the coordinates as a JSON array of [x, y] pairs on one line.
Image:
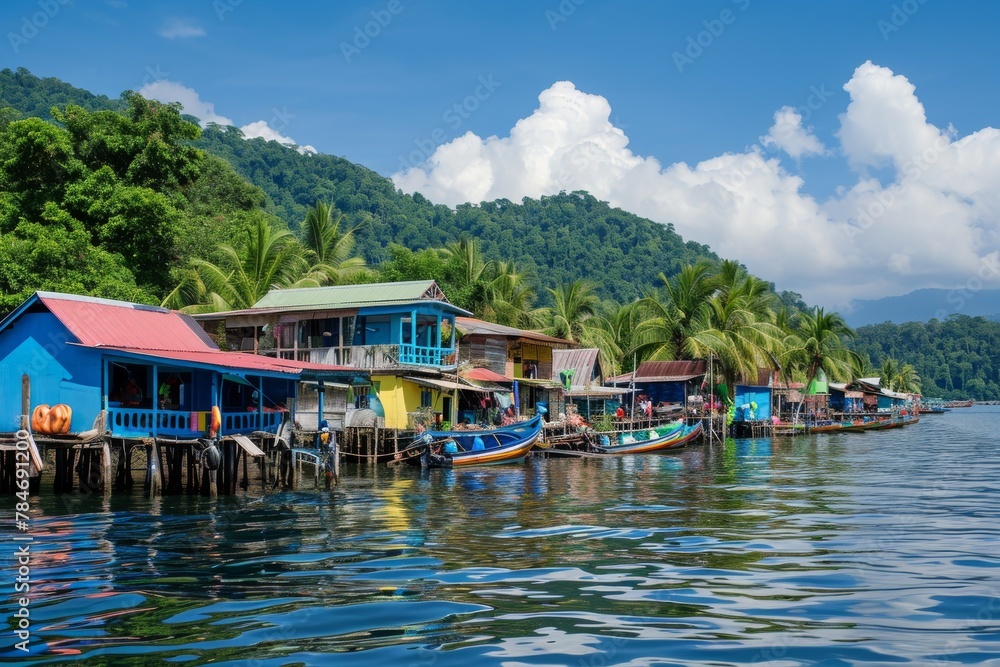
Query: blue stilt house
[[153, 371], [753, 400]]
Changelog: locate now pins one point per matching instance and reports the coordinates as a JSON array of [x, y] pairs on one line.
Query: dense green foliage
[[956, 358], [556, 240], [28, 95], [107, 203]]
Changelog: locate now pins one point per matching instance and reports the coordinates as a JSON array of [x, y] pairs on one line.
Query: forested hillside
[[556, 239], [956, 358], [109, 203]]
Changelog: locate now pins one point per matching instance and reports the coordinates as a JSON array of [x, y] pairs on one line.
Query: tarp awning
[[548, 384], [446, 385], [597, 391], [229, 377]]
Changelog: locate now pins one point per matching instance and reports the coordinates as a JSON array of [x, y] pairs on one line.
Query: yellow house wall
[[540, 355], [400, 397]]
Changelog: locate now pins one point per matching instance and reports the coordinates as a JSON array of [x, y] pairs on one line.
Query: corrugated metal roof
[[649, 369], [342, 297], [345, 296], [107, 323], [483, 375], [663, 371], [580, 361], [240, 361], [472, 326]]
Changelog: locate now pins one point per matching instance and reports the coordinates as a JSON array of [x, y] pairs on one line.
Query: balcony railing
[[374, 357], [140, 423]]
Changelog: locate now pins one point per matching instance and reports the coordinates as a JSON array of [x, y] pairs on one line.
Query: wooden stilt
[[154, 484], [106, 468], [336, 461]]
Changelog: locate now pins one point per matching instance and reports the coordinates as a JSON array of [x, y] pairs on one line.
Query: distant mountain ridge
[[922, 305]]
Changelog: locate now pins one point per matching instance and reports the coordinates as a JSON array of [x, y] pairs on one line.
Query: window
[[362, 397], [426, 399]]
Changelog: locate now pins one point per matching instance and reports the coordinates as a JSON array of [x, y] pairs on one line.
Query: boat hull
[[679, 435], [507, 444]]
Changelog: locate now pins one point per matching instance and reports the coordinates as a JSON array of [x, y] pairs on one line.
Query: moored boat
[[505, 444], [674, 434]]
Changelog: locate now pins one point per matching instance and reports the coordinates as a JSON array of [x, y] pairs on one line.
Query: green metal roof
[[353, 296]]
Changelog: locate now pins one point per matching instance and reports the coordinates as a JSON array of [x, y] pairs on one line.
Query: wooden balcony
[[379, 357]]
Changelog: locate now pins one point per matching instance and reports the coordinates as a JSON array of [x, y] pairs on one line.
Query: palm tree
[[270, 258], [575, 303], [819, 344], [907, 380], [510, 298], [861, 367], [899, 377], [465, 255], [665, 321], [327, 249], [730, 330]]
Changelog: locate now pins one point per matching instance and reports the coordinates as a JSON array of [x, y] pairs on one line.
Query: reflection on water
[[836, 549]]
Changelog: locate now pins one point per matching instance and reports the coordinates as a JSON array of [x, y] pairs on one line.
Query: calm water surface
[[877, 548]]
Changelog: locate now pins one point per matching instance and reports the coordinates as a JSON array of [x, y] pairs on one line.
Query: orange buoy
[[51, 421], [216, 424], [38, 417]]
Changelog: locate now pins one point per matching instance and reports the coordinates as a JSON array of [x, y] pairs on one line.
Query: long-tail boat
[[504, 444], [640, 441]]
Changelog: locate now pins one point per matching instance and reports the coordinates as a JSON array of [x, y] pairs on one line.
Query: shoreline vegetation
[[129, 199]]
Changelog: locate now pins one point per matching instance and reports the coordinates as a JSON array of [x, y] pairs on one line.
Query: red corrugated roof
[[105, 323], [663, 371], [483, 375], [238, 360], [160, 333], [651, 369]]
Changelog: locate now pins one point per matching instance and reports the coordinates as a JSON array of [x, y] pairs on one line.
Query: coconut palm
[[574, 304], [729, 330], [665, 319], [327, 249], [271, 258], [899, 377], [818, 343], [510, 298]]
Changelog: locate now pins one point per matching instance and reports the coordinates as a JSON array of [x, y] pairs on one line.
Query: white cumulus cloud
[[260, 128], [180, 29], [932, 225], [165, 90], [788, 134]]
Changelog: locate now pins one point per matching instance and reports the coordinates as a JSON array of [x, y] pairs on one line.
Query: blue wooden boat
[[505, 444]]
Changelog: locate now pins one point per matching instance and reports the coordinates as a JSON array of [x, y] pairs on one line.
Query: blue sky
[[690, 83]]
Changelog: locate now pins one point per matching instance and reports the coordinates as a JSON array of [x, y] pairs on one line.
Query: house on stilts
[[137, 377]]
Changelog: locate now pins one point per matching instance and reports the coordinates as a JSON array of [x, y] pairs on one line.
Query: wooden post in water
[[153, 469], [336, 460]]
